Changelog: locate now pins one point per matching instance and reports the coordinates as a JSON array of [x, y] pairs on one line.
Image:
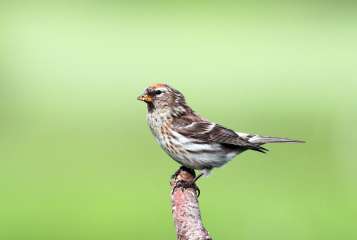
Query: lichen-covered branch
[[185, 208]]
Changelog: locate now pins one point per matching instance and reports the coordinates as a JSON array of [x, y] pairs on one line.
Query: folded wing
[[215, 133]]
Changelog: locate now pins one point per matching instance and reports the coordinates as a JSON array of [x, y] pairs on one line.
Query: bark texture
[[185, 208]]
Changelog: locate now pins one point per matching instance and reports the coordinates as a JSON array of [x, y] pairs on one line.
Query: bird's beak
[[145, 98]]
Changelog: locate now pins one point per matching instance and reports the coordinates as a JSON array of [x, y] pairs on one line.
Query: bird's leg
[[187, 184], [197, 177], [205, 172]]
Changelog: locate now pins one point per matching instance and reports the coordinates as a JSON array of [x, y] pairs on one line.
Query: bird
[[191, 140]]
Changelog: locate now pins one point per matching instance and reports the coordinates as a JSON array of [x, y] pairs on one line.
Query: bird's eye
[[157, 92]]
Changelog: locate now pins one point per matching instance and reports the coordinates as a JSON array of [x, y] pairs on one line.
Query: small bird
[[191, 140]]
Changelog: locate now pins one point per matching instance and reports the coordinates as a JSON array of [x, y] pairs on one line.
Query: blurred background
[[77, 160]]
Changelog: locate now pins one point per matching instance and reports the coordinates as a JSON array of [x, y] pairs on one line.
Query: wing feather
[[214, 133]]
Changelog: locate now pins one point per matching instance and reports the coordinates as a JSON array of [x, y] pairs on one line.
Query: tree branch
[[185, 208]]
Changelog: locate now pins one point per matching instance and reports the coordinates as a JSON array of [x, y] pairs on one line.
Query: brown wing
[[214, 133]]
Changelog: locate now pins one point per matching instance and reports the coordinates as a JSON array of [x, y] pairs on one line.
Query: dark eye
[[157, 92]]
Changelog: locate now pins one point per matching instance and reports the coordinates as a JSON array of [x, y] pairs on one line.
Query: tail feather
[[259, 140], [265, 139]]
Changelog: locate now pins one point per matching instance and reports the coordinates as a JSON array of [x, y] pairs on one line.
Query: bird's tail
[[257, 139], [264, 139]]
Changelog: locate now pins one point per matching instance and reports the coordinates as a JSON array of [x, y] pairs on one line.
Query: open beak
[[145, 98]]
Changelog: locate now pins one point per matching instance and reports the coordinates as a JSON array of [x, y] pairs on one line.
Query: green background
[[77, 160]]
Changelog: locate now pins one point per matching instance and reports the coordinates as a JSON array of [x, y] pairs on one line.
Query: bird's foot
[[186, 185], [183, 168]]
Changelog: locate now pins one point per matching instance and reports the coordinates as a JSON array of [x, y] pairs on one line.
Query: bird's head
[[163, 97]]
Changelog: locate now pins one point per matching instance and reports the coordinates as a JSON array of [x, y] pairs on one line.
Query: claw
[[185, 185]]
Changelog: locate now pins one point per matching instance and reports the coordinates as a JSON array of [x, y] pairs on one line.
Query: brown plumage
[[190, 139]]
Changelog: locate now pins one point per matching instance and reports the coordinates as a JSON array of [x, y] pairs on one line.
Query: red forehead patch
[[158, 85]]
